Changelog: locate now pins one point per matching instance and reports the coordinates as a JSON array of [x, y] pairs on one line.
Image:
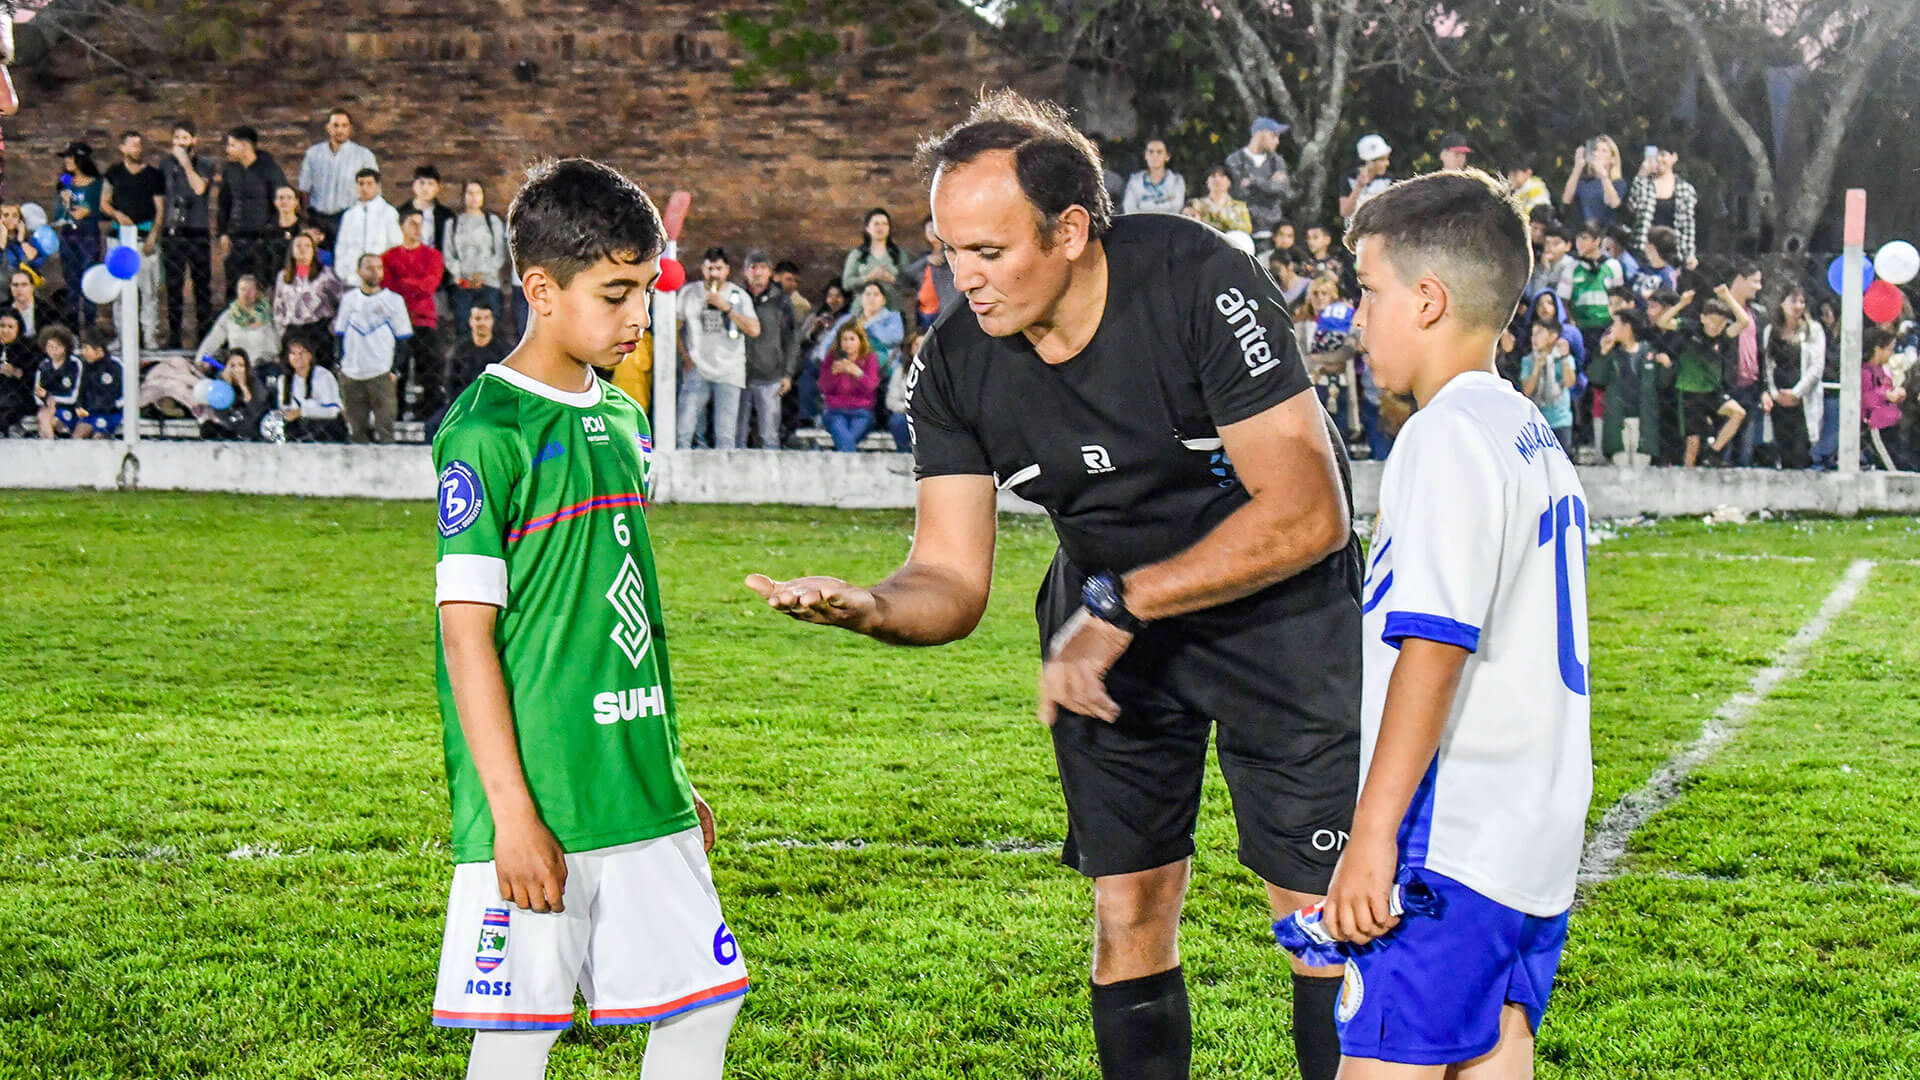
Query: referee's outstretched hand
[[825, 600], [1074, 677]]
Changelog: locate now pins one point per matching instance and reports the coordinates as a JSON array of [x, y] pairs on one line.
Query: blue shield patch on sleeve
[[460, 498]]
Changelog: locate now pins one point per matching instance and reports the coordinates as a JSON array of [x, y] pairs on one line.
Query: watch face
[[1101, 596]]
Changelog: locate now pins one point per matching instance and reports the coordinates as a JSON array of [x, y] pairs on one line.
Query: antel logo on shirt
[[1097, 459], [1243, 320]]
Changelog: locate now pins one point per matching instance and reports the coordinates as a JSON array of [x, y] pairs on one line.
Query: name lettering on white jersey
[[1244, 321], [613, 706]]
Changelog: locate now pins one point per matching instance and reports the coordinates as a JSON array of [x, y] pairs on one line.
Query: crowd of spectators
[[344, 313]]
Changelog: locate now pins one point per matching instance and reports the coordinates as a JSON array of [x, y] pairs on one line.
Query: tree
[[1836, 46], [1296, 60]]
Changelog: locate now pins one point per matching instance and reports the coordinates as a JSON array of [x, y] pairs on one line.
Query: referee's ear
[[1072, 232]]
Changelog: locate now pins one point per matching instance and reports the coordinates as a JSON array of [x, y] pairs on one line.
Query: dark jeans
[[1790, 435], [249, 253], [902, 435], [425, 369], [1826, 452], [80, 248], [1745, 439], [184, 255]]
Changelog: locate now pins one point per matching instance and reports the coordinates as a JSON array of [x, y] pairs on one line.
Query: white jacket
[[366, 228]]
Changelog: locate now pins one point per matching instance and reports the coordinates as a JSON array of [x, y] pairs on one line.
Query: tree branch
[[1254, 53], [1763, 182]]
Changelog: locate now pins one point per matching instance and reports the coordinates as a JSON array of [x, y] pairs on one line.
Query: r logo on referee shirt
[[460, 498], [633, 633]]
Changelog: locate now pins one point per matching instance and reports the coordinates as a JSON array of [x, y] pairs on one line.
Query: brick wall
[[643, 84]]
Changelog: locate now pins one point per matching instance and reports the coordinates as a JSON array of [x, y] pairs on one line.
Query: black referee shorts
[[1278, 675]]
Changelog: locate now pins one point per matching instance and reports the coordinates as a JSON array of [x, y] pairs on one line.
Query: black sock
[[1143, 1028], [1316, 1040]]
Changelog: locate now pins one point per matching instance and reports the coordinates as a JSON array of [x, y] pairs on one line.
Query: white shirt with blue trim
[[1481, 543]]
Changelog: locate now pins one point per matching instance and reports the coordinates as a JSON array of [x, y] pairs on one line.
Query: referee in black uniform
[[1139, 379]]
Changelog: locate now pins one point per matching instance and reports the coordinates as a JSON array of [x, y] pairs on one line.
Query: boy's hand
[[705, 813], [531, 868], [1359, 897]]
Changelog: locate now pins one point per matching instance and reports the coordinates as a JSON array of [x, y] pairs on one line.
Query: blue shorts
[[1430, 992], [64, 416], [105, 425]]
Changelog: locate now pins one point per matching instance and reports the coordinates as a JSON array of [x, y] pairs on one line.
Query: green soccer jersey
[[542, 514]]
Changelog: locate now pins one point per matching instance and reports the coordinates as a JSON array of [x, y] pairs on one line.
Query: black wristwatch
[[1106, 599]]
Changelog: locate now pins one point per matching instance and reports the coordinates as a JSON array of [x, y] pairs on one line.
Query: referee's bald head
[[1460, 227]]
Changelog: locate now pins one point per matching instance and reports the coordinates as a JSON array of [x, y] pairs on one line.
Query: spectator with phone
[[1661, 199], [1594, 186]]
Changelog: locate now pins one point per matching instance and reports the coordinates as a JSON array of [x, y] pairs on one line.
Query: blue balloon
[[46, 240], [1839, 264], [220, 396], [123, 262]]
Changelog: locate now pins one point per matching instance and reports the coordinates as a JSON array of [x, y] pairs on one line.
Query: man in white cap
[[1260, 178], [1372, 179]]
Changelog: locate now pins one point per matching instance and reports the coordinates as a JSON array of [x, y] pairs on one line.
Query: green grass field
[[223, 818]]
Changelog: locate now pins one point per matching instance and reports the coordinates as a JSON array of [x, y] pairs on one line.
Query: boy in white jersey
[[1475, 761]]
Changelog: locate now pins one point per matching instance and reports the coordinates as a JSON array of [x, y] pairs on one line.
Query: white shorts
[[642, 938]]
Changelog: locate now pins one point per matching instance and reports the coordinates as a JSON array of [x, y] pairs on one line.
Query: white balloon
[[33, 215], [202, 391], [1897, 263], [99, 284]]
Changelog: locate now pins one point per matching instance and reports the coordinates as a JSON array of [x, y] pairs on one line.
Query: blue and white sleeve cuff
[[1401, 625]]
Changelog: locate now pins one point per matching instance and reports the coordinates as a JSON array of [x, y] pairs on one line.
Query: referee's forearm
[[1257, 546], [924, 604]]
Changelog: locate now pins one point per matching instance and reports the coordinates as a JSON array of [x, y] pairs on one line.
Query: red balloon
[[1881, 302], [672, 276]]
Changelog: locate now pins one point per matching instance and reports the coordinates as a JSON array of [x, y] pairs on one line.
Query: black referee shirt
[[1121, 444]]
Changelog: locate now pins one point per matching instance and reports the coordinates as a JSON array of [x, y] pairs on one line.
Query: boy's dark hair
[[97, 337], [1321, 225], [1635, 320], [1717, 306], [574, 212], [1619, 235], [187, 125], [1664, 297], [132, 134], [1664, 240], [1219, 168], [1461, 227], [410, 211], [245, 133], [1591, 228], [1284, 223], [1057, 166], [1744, 268], [331, 113], [1875, 338], [426, 172], [1548, 325], [56, 332], [1559, 232], [715, 253], [788, 266], [364, 173], [1623, 292]]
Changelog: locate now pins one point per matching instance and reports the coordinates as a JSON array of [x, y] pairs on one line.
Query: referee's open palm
[[825, 600]]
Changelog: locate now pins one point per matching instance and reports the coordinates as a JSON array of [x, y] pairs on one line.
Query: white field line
[[1609, 841], [1822, 885], [1714, 556], [1008, 846]]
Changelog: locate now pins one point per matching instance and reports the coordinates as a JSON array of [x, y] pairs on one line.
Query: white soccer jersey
[[1481, 543]]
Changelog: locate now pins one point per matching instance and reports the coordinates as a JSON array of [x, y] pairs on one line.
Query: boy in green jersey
[[580, 847]]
